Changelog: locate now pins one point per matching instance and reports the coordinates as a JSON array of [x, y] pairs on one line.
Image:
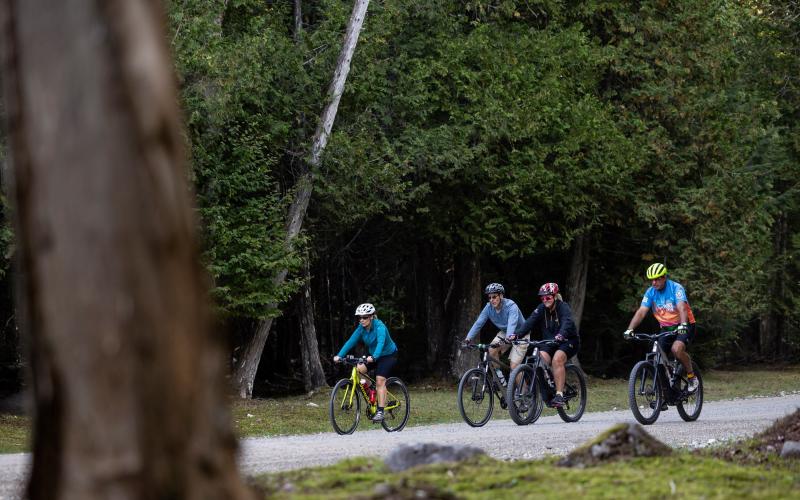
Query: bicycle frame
[[488, 364], [539, 366], [392, 401], [665, 368]]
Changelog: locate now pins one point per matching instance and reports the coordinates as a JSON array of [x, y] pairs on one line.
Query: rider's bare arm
[[638, 317]]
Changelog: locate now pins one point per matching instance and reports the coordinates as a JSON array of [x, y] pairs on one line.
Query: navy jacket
[[553, 323]]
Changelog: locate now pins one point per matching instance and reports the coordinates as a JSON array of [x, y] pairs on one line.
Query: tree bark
[[298, 19], [313, 374], [128, 379], [576, 281], [433, 297], [773, 321], [247, 365], [469, 302]]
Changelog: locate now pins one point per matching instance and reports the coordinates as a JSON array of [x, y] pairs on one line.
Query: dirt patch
[[620, 442], [785, 429], [765, 446]]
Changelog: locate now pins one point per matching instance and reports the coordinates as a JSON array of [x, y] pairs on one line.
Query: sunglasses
[[364, 317], [493, 297], [546, 297]]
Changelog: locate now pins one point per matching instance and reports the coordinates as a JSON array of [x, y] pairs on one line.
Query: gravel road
[[719, 421]]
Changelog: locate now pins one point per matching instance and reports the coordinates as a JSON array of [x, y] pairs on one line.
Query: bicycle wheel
[[574, 394], [644, 393], [524, 401], [345, 407], [690, 405], [475, 400], [398, 405]]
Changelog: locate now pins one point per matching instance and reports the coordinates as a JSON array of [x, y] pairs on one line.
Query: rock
[[791, 449], [619, 442], [406, 456]]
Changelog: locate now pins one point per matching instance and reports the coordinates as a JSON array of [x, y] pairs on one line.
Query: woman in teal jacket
[[381, 347]]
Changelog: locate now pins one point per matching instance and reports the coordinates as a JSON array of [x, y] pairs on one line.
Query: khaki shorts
[[517, 353]]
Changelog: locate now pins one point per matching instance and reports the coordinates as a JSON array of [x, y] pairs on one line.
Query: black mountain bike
[[658, 382], [475, 401], [531, 386]]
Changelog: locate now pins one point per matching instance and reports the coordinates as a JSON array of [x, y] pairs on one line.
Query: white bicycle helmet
[[494, 288], [365, 309]]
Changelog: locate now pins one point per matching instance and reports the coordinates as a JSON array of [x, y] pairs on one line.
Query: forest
[[478, 141]]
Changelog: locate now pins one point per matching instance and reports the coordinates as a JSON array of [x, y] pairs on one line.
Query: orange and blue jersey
[[664, 303]]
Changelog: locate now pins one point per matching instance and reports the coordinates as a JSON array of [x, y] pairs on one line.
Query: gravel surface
[[719, 421]]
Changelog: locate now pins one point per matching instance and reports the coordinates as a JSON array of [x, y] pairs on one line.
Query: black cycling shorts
[[383, 366], [686, 338], [570, 348]]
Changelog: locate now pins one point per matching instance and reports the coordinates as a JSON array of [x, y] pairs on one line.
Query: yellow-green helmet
[[657, 270]]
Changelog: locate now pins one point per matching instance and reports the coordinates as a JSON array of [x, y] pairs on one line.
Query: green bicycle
[[348, 394]]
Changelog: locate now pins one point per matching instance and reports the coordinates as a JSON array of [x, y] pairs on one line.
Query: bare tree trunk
[[773, 321], [469, 294], [313, 374], [128, 379], [247, 365], [576, 281], [298, 19], [433, 296]]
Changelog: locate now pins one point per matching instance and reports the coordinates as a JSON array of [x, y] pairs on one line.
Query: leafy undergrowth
[[683, 475], [763, 448]]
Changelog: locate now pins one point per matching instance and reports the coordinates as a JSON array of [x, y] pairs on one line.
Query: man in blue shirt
[[506, 316]]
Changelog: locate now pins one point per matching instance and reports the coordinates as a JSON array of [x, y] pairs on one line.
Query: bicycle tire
[[475, 398], [523, 395], [574, 394], [690, 408], [644, 393], [396, 417], [344, 412]]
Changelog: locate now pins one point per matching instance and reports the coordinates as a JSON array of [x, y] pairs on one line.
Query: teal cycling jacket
[[377, 340]]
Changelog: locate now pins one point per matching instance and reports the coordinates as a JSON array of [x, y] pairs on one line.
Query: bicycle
[[478, 383], [348, 393], [658, 382], [531, 385]]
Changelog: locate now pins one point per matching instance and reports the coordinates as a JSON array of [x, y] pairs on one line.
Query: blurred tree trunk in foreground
[[128, 380]]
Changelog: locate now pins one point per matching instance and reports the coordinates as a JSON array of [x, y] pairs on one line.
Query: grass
[[682, 475], [436, 403], [14, 432]]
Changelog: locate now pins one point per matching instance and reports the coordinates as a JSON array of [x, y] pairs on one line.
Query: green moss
[[684, 475]]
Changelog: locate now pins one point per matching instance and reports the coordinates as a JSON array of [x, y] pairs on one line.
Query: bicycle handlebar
[[483, 347], [536, 343], [651, 336], [352, 360]]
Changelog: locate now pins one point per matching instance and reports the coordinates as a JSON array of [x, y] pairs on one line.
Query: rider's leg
[[680, 353], [381, 383], [362, 369], [517, 356], [545, 357], [559, 372]]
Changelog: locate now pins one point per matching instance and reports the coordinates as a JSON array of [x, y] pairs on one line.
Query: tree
[[247, 364], [128, 379]]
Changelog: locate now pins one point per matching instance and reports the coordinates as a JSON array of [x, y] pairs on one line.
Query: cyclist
[[381, 347], [671, 308], [506, 316], [553, 317]]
